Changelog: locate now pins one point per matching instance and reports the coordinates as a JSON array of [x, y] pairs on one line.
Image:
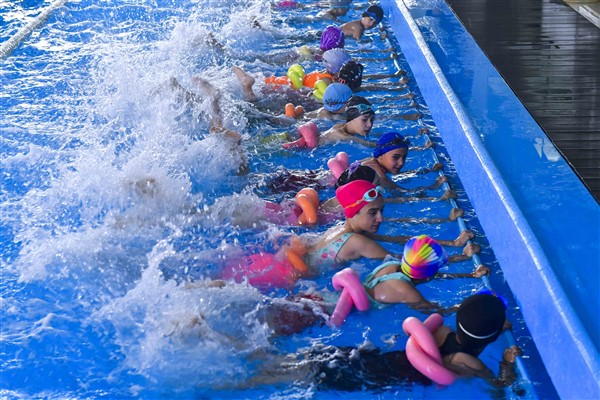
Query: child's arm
[[468, 366], [480, 271], [460, 241]]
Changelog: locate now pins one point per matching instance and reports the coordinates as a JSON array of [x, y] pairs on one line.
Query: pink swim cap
[[332, 38], [355, 195]]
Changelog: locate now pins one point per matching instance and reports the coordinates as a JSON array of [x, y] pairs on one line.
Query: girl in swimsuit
[[480, 320], [389, 157], [394, 281], [363, 207], [369, 19], [359, 171], [359, 121]]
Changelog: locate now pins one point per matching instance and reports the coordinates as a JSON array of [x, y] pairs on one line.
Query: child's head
[[480, 320], [423, 257], [359, 115], [335, 59], [351, 74], [332, 38], [362, 203], [335, 97], [371, 17], [357, 171], [339, 7], [391, 151]]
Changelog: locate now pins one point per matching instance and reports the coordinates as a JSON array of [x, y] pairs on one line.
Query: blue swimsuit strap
[[372, 281]]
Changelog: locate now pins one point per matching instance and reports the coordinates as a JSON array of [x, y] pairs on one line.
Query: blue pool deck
[[541, 219]]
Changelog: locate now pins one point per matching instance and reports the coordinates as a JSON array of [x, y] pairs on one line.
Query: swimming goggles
[[362, 108], [397, 142], [371, 15], [369, 196]]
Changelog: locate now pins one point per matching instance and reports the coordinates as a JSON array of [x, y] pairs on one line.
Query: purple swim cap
[[332, 38]]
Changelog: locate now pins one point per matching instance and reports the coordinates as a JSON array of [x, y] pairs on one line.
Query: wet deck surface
[[550, 56]]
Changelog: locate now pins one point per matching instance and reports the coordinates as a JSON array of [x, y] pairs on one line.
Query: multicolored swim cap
[[351, 74], [374, 12], [390, 141], [357, 106], [423, 257], [332, 38], [335, 97], [351, 196], [335, 59], [479, 320], [356, 171]]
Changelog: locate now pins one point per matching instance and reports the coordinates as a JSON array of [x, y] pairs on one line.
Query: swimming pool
[[93, 263]]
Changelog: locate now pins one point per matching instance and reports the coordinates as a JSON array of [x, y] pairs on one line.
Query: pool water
[[117, 206]]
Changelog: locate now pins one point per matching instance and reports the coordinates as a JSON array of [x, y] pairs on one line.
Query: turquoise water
[[102, 273]]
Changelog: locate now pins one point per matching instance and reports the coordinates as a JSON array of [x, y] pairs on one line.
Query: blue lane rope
[[18, 38], [525, 381]]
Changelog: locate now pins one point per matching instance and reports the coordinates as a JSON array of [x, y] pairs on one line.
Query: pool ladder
[[524, 382]]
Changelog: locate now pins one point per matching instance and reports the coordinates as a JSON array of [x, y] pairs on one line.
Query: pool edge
[[573, 378]]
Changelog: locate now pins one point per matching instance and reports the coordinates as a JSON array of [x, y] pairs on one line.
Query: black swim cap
[[374, 12], [351, 74], [357, 106], [356, 171], [479, 320]]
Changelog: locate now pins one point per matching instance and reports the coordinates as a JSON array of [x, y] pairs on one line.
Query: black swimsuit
[[351, 369], [451, 346]]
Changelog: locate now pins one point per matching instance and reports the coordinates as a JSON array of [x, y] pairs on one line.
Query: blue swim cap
[[390, 141], [374, 12], [335, 59], [335, 96]]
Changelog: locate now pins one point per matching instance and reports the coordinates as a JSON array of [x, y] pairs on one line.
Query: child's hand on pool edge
[[480, 271], [511, 353]]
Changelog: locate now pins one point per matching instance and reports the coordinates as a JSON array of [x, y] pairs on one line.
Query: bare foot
[[211, 40], [403, 81], [471, 249], [247, 81], [423, 130], [437, 166], [429, 144], [206, 86], [456, 213], [463, 238]]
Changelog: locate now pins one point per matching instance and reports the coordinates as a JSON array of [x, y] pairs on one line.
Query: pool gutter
[[568, 352]]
